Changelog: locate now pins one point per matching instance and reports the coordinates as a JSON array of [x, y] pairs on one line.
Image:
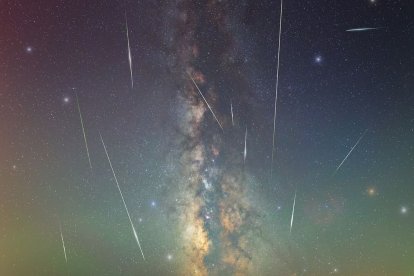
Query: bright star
[[371, 191], [318, 59], [66, 99], [169, 257], [153, 203], [404, 210], [29, 49]]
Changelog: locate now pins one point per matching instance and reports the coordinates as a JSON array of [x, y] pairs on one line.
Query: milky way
[[217, 216]]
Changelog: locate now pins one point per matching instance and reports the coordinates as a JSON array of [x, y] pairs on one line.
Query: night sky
[[193, 184]]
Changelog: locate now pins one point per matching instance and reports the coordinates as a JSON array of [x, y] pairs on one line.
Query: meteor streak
[[362, 29], [277, 85], [63, 243], [83, 131], [346, 157], [129, 51], [231, 109], [209, 107], [123, 200], [293, 212], [245, 146]]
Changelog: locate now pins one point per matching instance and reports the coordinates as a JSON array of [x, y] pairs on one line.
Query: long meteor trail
[[129, 51], [123, 200], [293, 212], [83, 131], [346, 157], [277, 86], [209, 107], [63, 243]]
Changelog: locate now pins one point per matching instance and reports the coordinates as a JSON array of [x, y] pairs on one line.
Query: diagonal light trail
[[123, 200], [277, 86], [209, 107], [83, 131], [349, 153], [63, 243]]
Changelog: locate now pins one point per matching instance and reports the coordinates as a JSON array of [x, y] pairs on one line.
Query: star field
[[190, 142]]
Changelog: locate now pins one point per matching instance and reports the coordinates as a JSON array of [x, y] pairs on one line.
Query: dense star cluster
[[154, 137]]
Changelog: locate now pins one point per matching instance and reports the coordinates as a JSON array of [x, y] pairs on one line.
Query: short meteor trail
[[231, 109], [123, 200], [129, 51], [277, 86], [245, 146], [293, 213], [346, 157], [63, 243], [209, 107], [83, 131], [362, 29]]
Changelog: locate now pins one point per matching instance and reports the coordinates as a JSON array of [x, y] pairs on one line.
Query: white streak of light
[[209, 107], [129, 51], [361, 29], [63, 243], [293, 213], [232, 116], [346, 157], [83, 131], [245, 146], [277, 86], [123, 200]]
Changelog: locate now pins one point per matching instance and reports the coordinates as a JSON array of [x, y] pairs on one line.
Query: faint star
[[29, 49], [153, 203], [404, 210], [66, 100], [169, 257], [14, 167]]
